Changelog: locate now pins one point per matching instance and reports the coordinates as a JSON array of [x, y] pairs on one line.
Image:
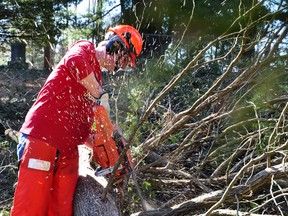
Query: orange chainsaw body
[[109, 143]]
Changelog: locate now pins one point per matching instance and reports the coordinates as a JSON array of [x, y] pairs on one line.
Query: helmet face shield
[[115, 45], [124, 38]]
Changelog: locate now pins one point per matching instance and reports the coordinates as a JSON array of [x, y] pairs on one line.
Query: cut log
[[87, 197], [88, 202]]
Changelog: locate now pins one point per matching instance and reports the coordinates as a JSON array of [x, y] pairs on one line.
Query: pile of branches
[[226, 152]]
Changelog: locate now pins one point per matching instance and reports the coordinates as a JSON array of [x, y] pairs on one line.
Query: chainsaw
[[108, 145]]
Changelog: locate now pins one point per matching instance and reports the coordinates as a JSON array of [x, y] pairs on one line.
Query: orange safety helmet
[[130, 39]]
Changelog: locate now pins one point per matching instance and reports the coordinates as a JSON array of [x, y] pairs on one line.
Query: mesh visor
[[116, 44]]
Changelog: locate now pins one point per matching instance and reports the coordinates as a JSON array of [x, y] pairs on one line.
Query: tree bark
[[47, 57], [88, 193]]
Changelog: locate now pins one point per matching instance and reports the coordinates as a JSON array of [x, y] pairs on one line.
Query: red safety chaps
[[46, 181]]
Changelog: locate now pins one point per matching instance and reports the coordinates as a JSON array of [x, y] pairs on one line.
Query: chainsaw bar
[[107, 171]]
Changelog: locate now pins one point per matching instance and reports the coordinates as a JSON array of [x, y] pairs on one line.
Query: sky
[[83, 6]]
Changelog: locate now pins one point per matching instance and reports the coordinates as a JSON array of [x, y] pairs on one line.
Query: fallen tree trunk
[[87, 196], [255, 183]]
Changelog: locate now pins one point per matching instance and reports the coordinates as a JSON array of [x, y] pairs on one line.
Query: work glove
[[103, 100]]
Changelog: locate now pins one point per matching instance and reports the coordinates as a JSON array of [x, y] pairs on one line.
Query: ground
[[18, 89]]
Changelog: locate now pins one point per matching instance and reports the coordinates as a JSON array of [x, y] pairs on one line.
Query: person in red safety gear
[[61, 119]]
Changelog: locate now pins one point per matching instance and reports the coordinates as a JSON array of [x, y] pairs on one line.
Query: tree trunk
[[47, 57], [87, 197]]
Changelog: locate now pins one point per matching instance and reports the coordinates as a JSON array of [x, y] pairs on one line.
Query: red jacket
[[61, 116]]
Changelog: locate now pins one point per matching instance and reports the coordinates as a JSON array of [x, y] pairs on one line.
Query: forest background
[[205, 111]]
